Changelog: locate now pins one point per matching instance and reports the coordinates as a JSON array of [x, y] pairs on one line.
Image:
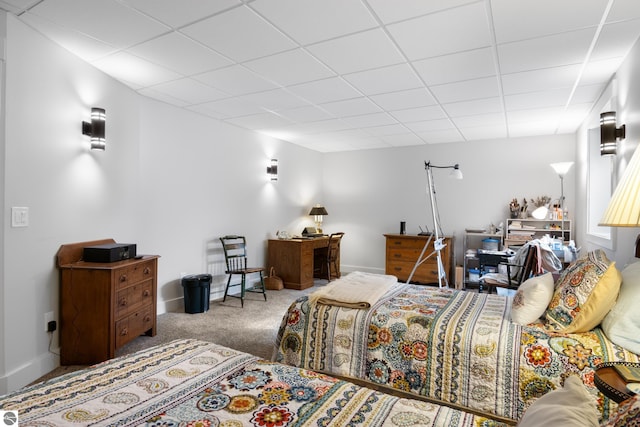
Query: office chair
[[327, 257], [235, 254]]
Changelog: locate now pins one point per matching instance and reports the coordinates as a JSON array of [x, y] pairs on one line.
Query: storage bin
[[197, 289], [474, 275], [490, 244]]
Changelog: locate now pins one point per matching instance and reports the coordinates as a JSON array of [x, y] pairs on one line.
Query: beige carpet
[[251, 329]]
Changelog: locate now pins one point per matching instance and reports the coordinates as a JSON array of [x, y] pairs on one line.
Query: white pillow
[[569, 406], [532, 298], [622, 324]]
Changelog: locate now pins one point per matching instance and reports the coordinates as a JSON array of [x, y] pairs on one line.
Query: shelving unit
[[472, 242], [519, 231]]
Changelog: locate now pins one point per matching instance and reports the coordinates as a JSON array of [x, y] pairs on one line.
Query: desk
[[293, 260]]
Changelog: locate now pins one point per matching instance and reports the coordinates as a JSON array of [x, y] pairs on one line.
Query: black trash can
[[197, 288]]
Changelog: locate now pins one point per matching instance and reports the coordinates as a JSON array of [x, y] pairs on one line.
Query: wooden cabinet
[[402, 252], [103, 306]]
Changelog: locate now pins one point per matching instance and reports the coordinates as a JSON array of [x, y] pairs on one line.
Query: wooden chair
[[516, 273], [328, 257], [235, 254]]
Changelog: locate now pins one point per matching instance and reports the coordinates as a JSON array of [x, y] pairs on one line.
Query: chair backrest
[[528, 266], [333, 247], [235, 252]]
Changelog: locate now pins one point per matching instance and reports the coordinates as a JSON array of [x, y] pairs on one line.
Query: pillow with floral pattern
[[584, 293]]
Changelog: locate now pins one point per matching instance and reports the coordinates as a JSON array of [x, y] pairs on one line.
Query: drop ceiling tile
[[386, 130], [467, 108], [151, 93], [309, 113], [547, 98], [235, 80], [189, 91], [600, 71], [260, 121], [384, 80], [515, 21], [290, 68], [351, 107], [616, 40], [239, 34], [537, 80], [100, 19], [330, 125], [441, 33], [418, 114], [624, 9], [441, 136], [457, 66], [466, 90], [489, 119], [310, 21], [327, 90], [404, 99], [430, 125], [587, 93], [275, 99], [532, 128], [357, 52], [402, 140], [397, 10], [185, 12], [545, 52], [229, 108], [87, 48], [484, 132], [547, 115], [370, 120], [178, 53], [124, 66]]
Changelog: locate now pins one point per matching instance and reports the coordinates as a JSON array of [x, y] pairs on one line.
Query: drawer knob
[[397, 255], [146, 293], [147, 270], [147, 319], [123, 302], [123, 278], [397, 268], [124, 331]]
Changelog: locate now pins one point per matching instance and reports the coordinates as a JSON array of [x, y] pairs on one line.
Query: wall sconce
[[609, 134], [318, 212], [95, 129], [272, 170]]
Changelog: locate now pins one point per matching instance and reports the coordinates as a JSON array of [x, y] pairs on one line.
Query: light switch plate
[[19, 216]]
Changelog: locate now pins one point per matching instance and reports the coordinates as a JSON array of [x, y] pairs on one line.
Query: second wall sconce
[[272, 170], [609, 134], [95, 129]]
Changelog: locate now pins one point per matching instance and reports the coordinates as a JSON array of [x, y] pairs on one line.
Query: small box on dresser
[[103, 306]]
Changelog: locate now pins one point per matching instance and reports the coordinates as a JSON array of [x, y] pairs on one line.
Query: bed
[[463, 347], [197, 383]]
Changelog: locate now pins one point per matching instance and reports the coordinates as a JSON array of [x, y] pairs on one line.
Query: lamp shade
[[561, 168], [318, 210], [624, 206]]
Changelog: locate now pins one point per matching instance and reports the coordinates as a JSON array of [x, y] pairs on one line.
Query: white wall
[[624, 94], [368, 193], [169, 180]]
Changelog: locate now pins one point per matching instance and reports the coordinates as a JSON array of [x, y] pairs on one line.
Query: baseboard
[[29, 372]]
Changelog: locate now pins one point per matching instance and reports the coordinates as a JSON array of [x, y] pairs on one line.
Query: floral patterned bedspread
[[454, 346], [195, 383]]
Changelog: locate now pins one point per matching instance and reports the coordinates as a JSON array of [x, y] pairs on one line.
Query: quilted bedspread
[[195, 383], [452, 346]]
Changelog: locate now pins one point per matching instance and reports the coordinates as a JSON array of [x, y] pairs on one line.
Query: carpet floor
[[251, 329]]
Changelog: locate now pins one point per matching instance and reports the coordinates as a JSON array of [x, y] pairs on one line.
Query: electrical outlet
[[52, 326], [48, 317]]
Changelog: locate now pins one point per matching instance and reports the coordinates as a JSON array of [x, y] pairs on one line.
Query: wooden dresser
[[402, 252], [103, 306]]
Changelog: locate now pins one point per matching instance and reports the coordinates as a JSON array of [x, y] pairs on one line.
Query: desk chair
[[235, 254], [516, 273], [327, 257]]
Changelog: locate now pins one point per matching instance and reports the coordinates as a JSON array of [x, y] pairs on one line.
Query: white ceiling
[[335, 75]]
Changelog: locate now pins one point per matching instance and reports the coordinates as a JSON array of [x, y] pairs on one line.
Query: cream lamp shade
[[624, 206]]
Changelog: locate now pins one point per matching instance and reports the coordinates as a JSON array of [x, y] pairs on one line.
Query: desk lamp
[[624, 206], [318, 212]]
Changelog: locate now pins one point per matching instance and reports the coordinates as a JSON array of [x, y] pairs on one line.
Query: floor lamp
[[561, 169], [438, 244]]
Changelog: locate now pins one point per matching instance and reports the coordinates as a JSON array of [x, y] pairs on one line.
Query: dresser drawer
[[427, 272], [131, 298], [133, 325], [135, 273]]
